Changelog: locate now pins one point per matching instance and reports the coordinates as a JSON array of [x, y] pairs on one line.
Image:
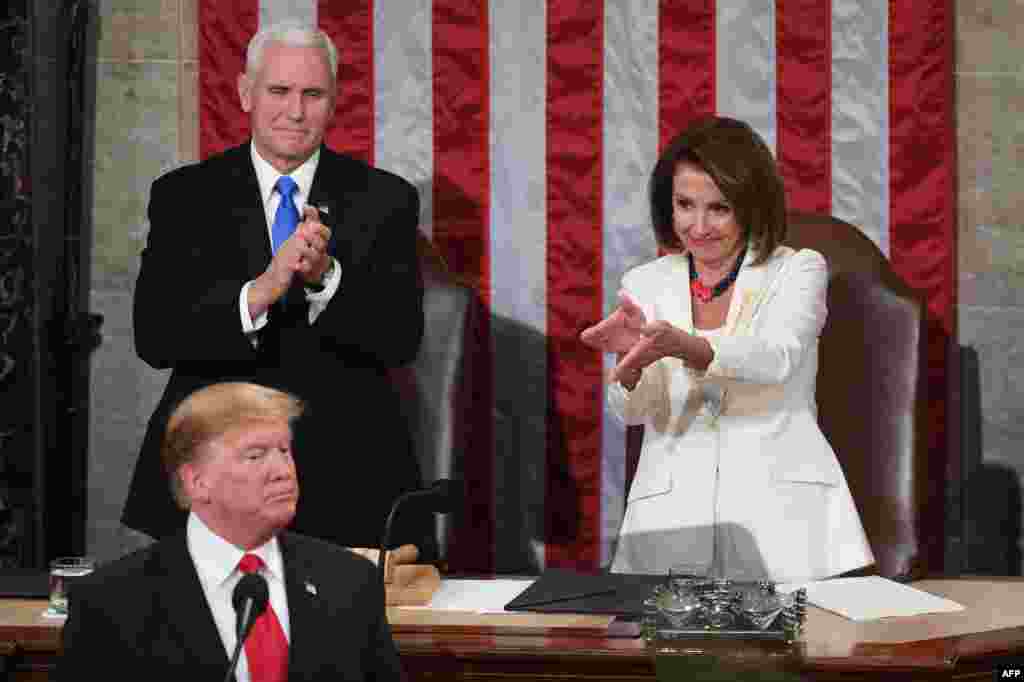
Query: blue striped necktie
[[287, 216]]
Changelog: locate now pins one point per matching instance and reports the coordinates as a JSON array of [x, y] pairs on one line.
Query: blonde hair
[[211, 412]]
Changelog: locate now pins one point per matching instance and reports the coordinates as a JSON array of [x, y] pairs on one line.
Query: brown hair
[[742, 167], [211, 412]]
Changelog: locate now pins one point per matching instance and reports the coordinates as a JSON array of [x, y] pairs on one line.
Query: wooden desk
[[29, 642], [958, 646], [446, 646]]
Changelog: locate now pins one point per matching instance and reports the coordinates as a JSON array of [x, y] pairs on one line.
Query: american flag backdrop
[[530, 127]]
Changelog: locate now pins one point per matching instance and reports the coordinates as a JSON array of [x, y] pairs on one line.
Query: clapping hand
[[637, 342], [304, 254], [657, 340], [312, 237], [618, 332]]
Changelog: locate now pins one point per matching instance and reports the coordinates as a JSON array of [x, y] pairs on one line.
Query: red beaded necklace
[[704, 293]]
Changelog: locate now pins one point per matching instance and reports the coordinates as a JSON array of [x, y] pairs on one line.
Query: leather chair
[[434, 386], [872, 404]]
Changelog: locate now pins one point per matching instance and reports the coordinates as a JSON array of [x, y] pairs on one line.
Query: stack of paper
[[479, 596], [872, 597]]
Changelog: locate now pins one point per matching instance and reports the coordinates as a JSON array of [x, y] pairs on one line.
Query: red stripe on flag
[[461, 232], [686, 64], [804, 100], [225, 27], [350, 26], [575, 51], [921, 151], [922, 207]]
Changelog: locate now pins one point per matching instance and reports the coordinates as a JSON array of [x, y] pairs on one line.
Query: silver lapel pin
[[311, 588]]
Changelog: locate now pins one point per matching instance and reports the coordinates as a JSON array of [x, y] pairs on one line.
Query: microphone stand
[[252, 595], [240, 640], [246, 613], [384, 540], [441, 496]]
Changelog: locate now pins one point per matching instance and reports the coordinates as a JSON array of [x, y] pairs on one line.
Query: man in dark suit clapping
[[283, 263], [167, 608]]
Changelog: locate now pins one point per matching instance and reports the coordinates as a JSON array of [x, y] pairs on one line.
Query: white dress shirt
[[267, 177], [216, 561]]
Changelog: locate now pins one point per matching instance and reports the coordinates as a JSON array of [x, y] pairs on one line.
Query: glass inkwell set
[[692, 605]]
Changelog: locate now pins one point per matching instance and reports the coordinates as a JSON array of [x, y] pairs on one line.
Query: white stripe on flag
[[273, 11], [745, 72], [745, 87], [518, 222], [403, 97], [630, 151], [860, 117]]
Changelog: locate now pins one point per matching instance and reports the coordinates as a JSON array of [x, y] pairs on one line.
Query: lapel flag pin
[[311, 588]]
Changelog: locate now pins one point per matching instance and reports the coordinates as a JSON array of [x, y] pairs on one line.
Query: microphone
[[250, 599], [442, 497]]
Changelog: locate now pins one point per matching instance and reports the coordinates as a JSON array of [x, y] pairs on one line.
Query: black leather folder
[[560, 590], [16, 583]]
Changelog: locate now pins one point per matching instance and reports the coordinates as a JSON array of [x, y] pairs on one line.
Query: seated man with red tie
[[168, 608]]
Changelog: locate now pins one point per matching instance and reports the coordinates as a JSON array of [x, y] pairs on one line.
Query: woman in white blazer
[[718, 354]]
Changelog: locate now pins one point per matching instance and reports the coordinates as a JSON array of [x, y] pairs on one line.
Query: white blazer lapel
[[754, 286], [750, 283]]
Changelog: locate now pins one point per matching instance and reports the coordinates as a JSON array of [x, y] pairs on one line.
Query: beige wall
[[990, 142], [146, 67], [146, 123]]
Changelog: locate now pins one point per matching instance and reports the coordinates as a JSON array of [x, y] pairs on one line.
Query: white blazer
[[734, 469]]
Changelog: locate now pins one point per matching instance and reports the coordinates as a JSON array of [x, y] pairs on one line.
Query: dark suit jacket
[[146, 614], [208, 236]]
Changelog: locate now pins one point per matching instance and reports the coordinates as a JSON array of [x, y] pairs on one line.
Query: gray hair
[[293, 34]]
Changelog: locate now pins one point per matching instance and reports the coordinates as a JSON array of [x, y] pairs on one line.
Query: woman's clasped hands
[[637, 342]]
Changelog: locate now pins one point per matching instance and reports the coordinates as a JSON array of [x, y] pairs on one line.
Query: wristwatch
[[319, 286]]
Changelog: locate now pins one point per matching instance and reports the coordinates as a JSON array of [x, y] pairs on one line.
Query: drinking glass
[[64, 571]]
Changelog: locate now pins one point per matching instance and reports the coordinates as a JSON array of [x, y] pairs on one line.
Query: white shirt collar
[[267, 175], [216, 559]]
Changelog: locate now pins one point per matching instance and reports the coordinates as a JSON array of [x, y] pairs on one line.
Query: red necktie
[[266, 648]]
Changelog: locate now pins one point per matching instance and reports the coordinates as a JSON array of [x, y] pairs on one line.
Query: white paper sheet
[[872, 597], [480, 596]]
